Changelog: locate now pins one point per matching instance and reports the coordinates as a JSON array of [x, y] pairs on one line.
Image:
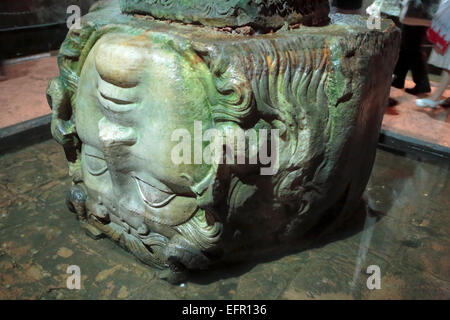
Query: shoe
[[398, 84], [392, 102], [418, 90], [446, 103], [427, 103]]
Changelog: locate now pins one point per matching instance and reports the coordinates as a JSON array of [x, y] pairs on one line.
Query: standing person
[[440, 56], [412, 54]]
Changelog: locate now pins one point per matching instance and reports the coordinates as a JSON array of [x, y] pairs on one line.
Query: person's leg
[[401, 69], [443, 84], [434, 99], [418, 60], [403, 63]]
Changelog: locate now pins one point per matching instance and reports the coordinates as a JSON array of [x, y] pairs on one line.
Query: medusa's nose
[[120, 60], [113, 135]]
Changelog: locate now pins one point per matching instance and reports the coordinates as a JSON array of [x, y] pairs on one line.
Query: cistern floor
[[406, 236]]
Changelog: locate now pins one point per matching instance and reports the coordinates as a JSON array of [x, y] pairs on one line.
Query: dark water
[[404, 235]]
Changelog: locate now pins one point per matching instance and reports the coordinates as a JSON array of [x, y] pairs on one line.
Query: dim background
[[33, 26]]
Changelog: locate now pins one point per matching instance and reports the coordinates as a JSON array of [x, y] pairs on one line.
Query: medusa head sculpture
[[129, 85]]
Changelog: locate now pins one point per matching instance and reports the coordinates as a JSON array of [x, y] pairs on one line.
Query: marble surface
[[22, 94], [425, 124]]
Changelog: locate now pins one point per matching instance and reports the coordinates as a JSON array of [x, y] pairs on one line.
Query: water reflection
[[402, 227]]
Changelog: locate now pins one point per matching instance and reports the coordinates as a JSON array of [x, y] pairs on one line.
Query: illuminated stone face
[[128, 84], [126, 109]]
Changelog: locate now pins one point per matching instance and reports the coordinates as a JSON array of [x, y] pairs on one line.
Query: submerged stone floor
[[406, 235]]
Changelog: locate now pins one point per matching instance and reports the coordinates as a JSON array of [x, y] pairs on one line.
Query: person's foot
[[428, 103], [392, 102], [418, 90], [398, 84], [446, 103]]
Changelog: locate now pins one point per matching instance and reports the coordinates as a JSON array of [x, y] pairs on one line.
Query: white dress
[[440, 61], [442, 18]]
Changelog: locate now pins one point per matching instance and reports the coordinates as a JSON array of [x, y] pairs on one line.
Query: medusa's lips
[[152, 196]]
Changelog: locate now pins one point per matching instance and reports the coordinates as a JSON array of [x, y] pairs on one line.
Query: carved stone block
[[128, 82], [260, 14]]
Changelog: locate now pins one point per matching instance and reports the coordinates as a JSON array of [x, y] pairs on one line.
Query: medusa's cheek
[[87, 112], [96, 175]]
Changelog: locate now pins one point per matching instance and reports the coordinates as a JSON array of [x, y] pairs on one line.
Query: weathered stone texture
[[261, 14]]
